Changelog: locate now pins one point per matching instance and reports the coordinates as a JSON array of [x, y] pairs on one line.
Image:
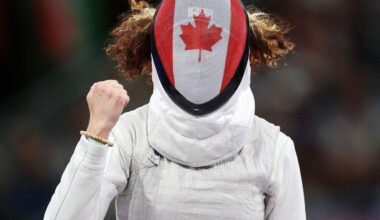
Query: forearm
[[77, 195]]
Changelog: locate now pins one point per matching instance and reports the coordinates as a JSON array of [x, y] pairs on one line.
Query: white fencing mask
[[200, 51]]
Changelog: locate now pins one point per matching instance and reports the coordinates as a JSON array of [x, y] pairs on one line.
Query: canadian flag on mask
[[200, 44], [200, 37]]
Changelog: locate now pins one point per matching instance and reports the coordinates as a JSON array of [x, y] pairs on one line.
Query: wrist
[[99, 131], [96, 138]]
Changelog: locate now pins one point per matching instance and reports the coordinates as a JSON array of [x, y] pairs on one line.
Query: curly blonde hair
[[130, 43]]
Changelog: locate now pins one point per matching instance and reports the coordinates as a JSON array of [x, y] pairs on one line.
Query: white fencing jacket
[[168, 165]]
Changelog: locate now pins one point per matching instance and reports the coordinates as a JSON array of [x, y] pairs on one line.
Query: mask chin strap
[[215, 103]]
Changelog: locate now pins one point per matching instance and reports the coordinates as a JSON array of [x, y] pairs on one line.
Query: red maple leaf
[[200, 37]]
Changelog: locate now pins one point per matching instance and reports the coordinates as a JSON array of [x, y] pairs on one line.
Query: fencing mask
[[202, 107], [200, 51]]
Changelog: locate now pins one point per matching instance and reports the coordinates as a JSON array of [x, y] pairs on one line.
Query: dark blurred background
[[326, 97]]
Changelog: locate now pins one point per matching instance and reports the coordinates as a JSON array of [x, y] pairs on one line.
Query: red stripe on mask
[[236, 44], [163, 32]]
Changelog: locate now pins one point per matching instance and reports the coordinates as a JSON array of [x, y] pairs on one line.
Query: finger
[[95, 85], [104, 88], [117, 86], [122, 95], [127, 102], [110, 81], [89, 94]]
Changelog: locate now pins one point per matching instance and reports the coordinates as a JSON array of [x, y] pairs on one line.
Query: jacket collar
[[198, 141]]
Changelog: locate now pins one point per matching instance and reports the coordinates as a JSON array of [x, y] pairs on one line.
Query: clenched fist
[[106, 101]]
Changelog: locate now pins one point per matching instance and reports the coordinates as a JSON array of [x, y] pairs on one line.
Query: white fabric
[[201, 81], [237, 166], [198, 141], [262, 182]]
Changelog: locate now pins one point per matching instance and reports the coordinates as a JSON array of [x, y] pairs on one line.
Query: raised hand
[[106, 101]]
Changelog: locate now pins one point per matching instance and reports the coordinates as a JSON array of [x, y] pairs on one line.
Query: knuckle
[[120, 101], [111, 81], [125, 98], [109, 93], [98, 83], [118, 96], [89, 94], [99, 86]]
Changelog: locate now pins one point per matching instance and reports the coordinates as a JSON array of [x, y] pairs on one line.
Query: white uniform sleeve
[[285, 198], [94, 176]]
